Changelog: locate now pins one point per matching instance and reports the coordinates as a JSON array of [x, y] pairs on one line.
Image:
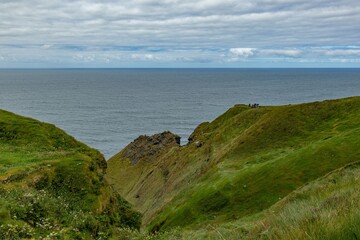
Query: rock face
[[149, 147]]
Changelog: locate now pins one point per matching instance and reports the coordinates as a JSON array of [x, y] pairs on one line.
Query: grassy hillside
[[240, 164], [326, 208], [53, 186]]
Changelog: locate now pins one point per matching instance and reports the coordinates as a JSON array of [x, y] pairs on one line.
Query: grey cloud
[[274, 28], [340, 52]]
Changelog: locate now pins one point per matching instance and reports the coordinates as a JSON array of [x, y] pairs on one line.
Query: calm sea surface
[[107, 109]]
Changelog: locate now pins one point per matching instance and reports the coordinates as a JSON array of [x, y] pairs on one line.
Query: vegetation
[[326, 208], [238, 166], [286, 172], [52, 186]]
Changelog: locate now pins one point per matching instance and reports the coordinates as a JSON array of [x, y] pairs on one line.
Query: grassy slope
[[326, 208], [51, 184], [250, 158]]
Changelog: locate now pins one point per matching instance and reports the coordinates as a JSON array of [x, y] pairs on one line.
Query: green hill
[[52, 186], [237, 166], [285, 172], [326, 208]]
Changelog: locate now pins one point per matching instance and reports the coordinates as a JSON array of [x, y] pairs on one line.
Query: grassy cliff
[[280, 172], [240, 164], [52, 186]]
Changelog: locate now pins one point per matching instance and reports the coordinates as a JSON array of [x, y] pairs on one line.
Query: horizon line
[[208, 68]]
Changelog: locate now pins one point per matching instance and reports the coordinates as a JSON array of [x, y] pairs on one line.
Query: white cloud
[[242, 52], [144, 57], [282, 52], [345, 60], [84, 58], [238, 53], [46, 46]]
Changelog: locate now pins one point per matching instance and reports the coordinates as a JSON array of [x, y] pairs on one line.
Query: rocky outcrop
[[149, 147]]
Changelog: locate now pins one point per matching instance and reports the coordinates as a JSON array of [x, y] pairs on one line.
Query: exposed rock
[[149, 147]]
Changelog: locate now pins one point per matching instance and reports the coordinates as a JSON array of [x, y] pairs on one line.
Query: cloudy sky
[[180, 33]]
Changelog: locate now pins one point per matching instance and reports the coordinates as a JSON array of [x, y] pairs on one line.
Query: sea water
[[108, 108]]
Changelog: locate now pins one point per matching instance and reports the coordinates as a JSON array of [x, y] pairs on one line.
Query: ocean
[[109, 108]]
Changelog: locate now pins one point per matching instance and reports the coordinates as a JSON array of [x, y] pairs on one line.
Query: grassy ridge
[[248, 160], [53, 186]]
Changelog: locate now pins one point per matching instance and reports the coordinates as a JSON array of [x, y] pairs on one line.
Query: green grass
[[287, 172], [249, 160], [52, 186], [326, 208]]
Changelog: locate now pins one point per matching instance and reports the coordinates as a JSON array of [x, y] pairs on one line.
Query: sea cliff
[[238, 165], [52, 186], [267, 172]]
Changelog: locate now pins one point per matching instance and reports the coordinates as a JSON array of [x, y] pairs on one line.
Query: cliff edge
[[238, 165], [53, 187]]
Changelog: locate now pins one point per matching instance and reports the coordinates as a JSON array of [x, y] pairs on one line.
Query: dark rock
[[149, 147]]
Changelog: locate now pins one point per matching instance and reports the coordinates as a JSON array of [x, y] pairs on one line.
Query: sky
[[179, 33]]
